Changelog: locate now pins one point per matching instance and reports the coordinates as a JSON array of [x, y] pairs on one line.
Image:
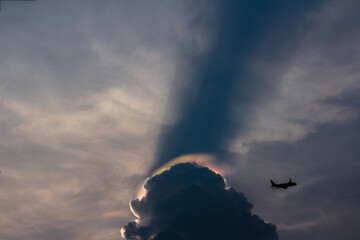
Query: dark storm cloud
[[192, 202], [224, 79]]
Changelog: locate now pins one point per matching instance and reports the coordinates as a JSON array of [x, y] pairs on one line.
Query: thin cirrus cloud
[[226, 78], [74, 109], [322, 70]]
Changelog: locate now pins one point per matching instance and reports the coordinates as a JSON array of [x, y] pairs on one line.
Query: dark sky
[[96, 94], [223, 80]]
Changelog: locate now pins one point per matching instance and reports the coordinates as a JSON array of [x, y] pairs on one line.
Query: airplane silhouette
[[282, 185]]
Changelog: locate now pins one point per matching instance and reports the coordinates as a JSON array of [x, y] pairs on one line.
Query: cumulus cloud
[[193, 202]]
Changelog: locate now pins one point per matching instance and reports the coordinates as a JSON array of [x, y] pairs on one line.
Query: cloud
[[309, 80], [193, 202], [77, 101], [222, 77], [325, 166]]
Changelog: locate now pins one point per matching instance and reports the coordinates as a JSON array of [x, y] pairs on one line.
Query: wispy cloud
[[322, 69]]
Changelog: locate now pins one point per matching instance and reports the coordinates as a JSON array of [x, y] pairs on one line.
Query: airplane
[[282, 185]]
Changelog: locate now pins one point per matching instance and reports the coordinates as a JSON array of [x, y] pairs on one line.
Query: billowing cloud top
[[193, 202]]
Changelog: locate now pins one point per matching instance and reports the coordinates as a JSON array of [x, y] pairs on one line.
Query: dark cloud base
[[192, 202]]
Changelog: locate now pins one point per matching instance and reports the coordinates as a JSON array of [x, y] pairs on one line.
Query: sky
[[95, 95]]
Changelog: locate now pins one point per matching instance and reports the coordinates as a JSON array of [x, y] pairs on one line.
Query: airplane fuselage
[[282, 185]]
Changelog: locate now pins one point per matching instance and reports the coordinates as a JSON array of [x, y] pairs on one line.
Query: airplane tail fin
[[273, 184]]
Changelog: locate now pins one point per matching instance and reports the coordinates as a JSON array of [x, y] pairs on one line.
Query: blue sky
[[89, 90]]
